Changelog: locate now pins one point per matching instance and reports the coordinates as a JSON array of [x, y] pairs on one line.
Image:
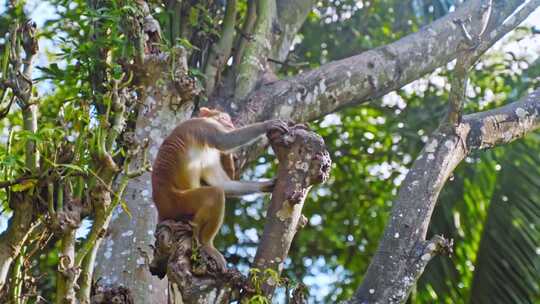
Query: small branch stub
[[437, 245], [303, 156]]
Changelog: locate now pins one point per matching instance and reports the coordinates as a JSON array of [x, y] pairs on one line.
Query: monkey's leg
[[210, 214], [211, 217], [208, 205]]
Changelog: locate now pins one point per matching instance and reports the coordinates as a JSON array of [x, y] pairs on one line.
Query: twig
[[472, 48], [287, 63]]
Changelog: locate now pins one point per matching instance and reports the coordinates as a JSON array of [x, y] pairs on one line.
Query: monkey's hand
[[268, 186], [276, 125]]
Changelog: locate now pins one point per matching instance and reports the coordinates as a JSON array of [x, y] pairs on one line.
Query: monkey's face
[[223, 118]]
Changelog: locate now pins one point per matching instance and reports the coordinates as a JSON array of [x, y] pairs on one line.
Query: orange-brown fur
[[193, 172]]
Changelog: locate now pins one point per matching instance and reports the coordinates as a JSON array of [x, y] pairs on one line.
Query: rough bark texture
[[193, 276], [253, 64], [371, 74], [403, 251], [303, 162], [106, 295], [23, 221], [291, 15], [122, 256]]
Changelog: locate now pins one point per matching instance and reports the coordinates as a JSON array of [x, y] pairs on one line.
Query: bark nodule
[[192, 274]]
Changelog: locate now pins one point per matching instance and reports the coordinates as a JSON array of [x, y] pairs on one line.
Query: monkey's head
[[223, 118]]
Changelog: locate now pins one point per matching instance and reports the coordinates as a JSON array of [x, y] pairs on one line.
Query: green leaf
[[193, 16], [24, 185], [125, 207]]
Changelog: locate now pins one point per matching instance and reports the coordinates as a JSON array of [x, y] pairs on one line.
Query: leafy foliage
[[80, 144]]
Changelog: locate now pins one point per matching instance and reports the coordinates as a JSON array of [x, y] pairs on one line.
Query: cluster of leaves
[[258, 278], [76, 114], [68, 114]]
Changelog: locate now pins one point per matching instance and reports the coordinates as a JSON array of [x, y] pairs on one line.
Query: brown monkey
[[193, 172]]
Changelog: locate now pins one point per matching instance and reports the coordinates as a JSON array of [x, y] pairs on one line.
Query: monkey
[[193, 173]]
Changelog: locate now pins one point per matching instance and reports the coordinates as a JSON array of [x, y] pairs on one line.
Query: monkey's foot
[[215, 255]]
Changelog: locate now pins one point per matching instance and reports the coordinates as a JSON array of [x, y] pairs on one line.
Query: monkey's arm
[[239, 188], [229, 140], [216, 176]]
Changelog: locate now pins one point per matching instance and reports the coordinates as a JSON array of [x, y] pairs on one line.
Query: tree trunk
[[122, 257]]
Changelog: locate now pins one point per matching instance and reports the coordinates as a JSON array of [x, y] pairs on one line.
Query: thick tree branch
[[371, 74], [193, 276], [403, 251], [167, 100], [172, 27], [303, 161], [21, 224], [505, 124]]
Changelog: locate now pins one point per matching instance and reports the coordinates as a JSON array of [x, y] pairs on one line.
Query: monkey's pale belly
[[201, 157]]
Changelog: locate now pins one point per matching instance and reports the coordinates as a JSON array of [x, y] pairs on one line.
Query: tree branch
[[166, 101], [471, 50], [291, 15], [253, 63], [403, 251], [16, 181], [220, 52], [465, 60], [371, 74], [21, 224], [303, 161], [244, 35]]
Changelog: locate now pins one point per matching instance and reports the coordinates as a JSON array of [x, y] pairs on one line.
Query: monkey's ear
[[205, 112]]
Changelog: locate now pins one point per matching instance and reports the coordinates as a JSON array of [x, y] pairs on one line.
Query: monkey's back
[[174, 153], [180, 158]]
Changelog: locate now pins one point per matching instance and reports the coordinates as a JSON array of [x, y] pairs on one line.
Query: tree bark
[[303, 162], [23, 221], [403, 250], [371, 74], [122, 256]]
